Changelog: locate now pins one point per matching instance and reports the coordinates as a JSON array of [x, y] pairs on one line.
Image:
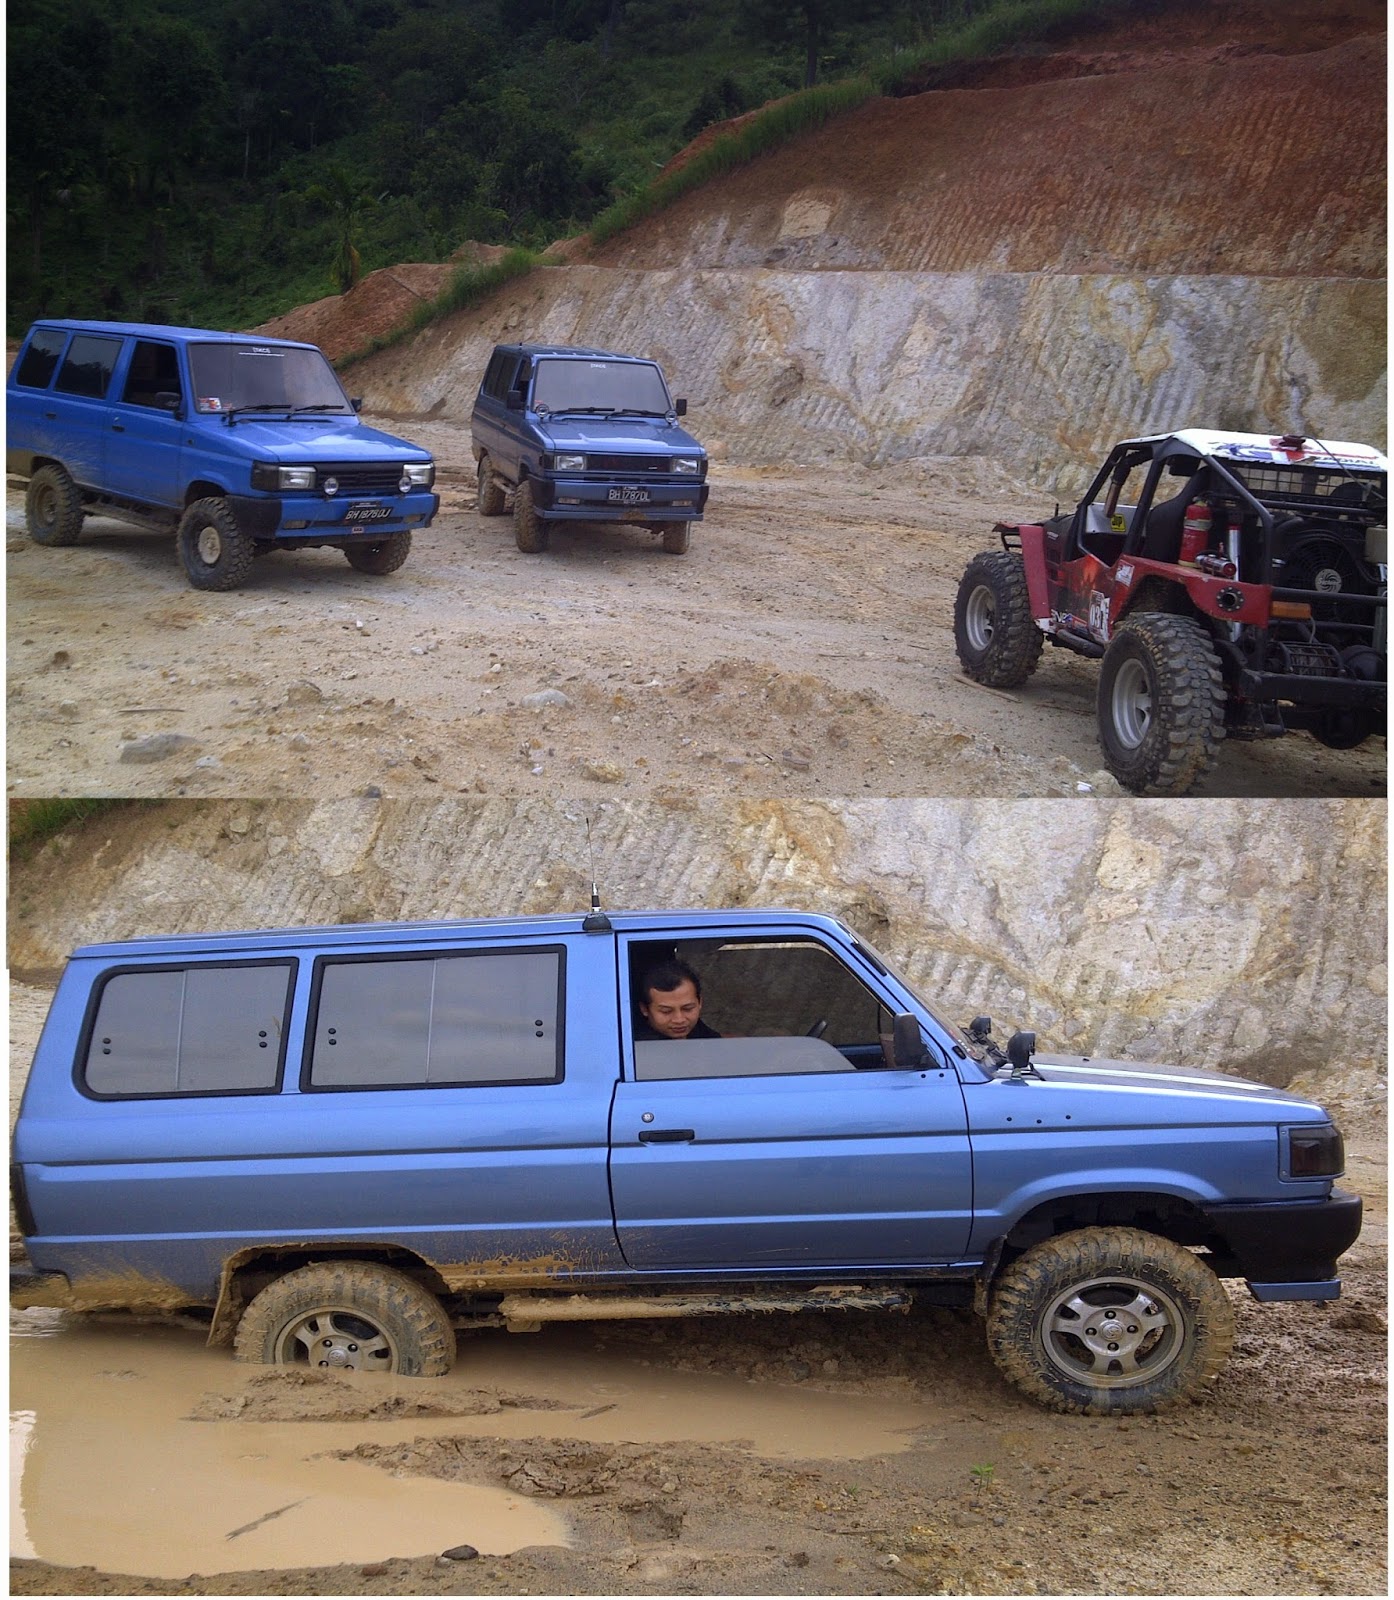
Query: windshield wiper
[[596, 411], [326, 405]]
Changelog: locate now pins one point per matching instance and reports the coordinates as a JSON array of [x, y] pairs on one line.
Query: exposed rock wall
[[1244, 935]]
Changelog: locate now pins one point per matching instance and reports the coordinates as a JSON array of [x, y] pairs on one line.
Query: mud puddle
[[137, 1449]]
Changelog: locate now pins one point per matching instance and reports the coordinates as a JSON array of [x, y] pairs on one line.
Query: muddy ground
[[802, 647], [853, 1454]]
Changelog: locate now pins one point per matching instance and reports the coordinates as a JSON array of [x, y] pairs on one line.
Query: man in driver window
[[670, 1003]]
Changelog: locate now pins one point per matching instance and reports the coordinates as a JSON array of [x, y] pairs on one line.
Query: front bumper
[[590, 500], [311, 519], [1287, 1249]]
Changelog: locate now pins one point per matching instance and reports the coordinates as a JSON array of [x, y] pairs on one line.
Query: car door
[[145, 432], [779, 1151], [73, 414]]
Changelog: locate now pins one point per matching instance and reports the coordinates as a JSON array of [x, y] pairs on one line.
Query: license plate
[[363, 512], [630, 497]]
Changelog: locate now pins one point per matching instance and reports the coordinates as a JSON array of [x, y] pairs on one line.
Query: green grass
[[1010, 22], [34, 822]]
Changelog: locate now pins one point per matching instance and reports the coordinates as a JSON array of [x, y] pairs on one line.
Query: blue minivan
[[242, 445], [584, 435], [343, 1144]]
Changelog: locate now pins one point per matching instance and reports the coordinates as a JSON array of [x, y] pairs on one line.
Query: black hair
[[665, 976]]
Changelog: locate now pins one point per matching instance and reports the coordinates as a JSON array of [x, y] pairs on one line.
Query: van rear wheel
[[353, 1315], [53, 507]]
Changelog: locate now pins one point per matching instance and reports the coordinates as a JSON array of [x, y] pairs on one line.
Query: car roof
[[160, 330], [692, 923], [1270, 447], [585, 352]]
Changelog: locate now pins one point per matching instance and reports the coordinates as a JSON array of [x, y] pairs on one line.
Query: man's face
[[673, 1012]]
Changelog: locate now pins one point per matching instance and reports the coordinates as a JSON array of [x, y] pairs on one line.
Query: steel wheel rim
[[1132, 704], [336, 1337], [46, 508], [1113, 1332], [980, 618], [210, 545]]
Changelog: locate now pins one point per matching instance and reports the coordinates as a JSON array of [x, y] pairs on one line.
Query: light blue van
[[345, 1143]]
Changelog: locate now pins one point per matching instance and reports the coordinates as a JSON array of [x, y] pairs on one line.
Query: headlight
[[692, 464], [569, 463], [418, 475], [266, 475], [1314, 1151]]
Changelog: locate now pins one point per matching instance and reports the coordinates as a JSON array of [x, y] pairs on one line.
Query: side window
[[523, 376], [40, 359], [494, 378], [189, 1031], [154, 370], [492, 1017], [88, 366], [766, 1006]]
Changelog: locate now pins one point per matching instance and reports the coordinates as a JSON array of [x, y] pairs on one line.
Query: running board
[[525, 1313]]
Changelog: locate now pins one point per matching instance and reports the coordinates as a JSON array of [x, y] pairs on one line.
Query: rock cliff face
[[1248, 936], [1024, 273]]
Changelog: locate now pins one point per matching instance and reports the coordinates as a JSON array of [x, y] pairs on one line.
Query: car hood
[[1093, 1072], [309, 439], [627, 435]]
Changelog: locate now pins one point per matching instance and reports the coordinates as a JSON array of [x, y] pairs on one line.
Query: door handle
[[667, 1135], [118, 427]]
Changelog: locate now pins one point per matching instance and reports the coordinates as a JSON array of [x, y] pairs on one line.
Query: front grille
[[363, 477], [628, 464]]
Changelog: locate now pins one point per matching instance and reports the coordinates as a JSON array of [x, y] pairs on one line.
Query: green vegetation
[[175, 162], [34, 822]]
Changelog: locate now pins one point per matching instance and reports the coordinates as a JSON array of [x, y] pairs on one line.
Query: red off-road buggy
[[1232, 584]]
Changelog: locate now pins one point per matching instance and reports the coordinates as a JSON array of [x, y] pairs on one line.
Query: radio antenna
[[597, 921]]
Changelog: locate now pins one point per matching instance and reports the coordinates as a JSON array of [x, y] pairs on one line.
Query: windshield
[[955, 1032], [599, 386], [229, 377]]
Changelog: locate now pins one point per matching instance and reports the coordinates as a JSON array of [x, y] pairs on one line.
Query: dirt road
[[802, 647]]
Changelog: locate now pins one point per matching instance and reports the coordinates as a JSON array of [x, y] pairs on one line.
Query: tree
[[346, 198], [810, 23]]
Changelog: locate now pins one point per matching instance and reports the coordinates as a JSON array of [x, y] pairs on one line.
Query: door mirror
[[680, 408], [907, 1042], [1020, 1048], [356, 401], [168, 400], [516, 399]]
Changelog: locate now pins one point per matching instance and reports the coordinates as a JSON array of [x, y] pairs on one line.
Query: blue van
[[344, 1144], [240, 444], [584, 435]]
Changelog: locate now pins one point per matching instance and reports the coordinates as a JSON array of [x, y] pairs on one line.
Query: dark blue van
[[242, 444], [584, 436]]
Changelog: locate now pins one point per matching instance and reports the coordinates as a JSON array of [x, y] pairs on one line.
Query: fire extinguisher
[[1195, 532]]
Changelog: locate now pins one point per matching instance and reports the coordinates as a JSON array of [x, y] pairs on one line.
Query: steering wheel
[[818, 1029]]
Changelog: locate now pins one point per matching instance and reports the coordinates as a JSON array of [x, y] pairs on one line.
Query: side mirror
[[680, 407], [515, 399], [907, 1042], [356, 401], [1020, 1048], [980, 1029], [168, 400]]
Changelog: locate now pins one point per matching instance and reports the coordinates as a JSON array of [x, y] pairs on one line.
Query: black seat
[[1161, 540]]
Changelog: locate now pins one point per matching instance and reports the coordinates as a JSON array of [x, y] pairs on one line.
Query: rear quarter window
[[40, 360], [189, 1030]]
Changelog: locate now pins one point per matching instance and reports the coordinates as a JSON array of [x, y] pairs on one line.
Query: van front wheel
[[348, 1314], [216, 554]]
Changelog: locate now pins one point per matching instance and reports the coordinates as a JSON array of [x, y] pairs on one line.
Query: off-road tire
[[998, 643], [676, 537], [1344, 729], [530, 531], [215, 552], [491, 498], [1173, 1321], [348, 1314], [382, 555], [53, 507], [1161, 705]]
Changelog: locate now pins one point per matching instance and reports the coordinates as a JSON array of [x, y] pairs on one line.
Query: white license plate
[[630, 497], [363, 512]]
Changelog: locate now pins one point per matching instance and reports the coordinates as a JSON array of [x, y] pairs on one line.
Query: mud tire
[[363, 1316], [1344, 729], [215, 552], [53, 507], [491, 498], [676, 537], [998, 643], [382, 556], [530, 531], [1161, 704], [1036, 1301]]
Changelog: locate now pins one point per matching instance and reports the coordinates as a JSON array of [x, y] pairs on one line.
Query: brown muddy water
[[112, 1466]]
